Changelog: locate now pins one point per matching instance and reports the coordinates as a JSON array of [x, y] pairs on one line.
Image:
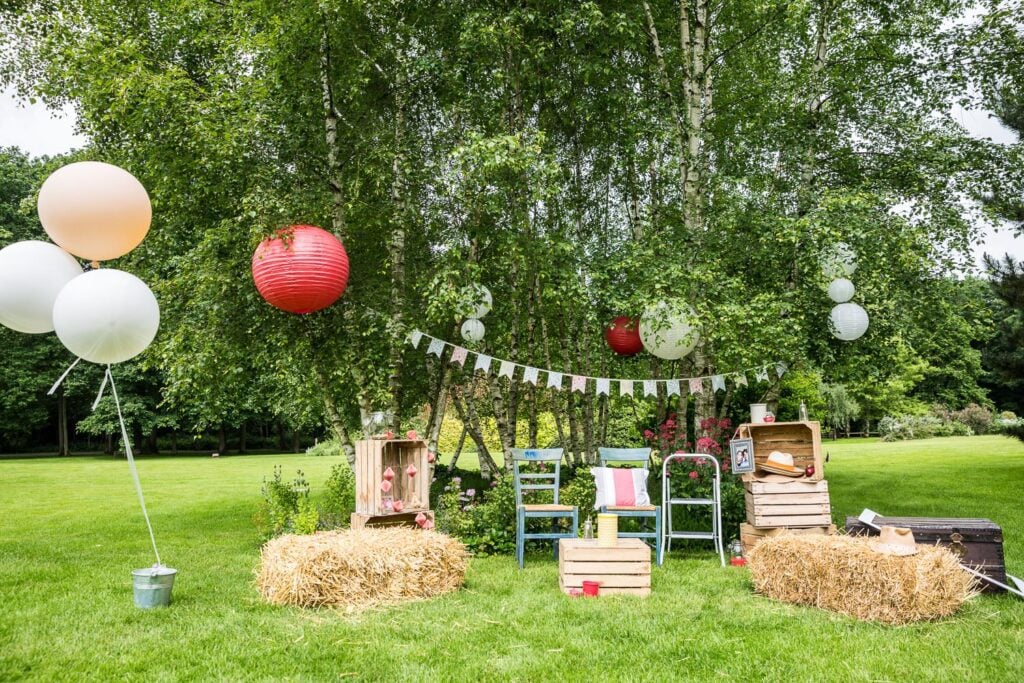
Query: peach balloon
[[94, 210]]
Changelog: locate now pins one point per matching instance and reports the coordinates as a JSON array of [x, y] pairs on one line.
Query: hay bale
[[360, 568], [843, 574]]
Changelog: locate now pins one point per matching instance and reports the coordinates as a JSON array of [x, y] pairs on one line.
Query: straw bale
[[843, 574], [360, 568]]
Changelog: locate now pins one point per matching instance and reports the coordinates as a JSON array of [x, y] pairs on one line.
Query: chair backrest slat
[[624, 455], [552, 456]]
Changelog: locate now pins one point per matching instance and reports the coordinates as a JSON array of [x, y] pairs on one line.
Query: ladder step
[[691, 501], [692, 534]]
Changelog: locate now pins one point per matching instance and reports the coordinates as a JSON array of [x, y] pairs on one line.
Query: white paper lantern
[[841, 261], [848, 321], [668, 332], [841, 290], [32, 273], [472, 330], [478, 301], [106, 316]]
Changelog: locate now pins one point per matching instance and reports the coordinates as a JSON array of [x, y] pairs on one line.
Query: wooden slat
[[789, 520], [790, 498], [608, 580], [635, 592], [628, 549], [802, 509], [796, 486], [761, 532], [631, 567]]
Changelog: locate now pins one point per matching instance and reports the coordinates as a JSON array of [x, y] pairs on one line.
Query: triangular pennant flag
[[507, 369], [780, 368], [414, 338], [579, 383], [483, 363], [718, 383], [530, 375], [555, 379], [626, 387], [672, 386], [696, 385], [458, 356], [741, 379], [436, 347], [761, 375], [603, 386], [650, 387]]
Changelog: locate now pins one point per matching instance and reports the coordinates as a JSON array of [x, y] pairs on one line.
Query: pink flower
[[648, 434], [470, 492], [694, 475], [670, 423]]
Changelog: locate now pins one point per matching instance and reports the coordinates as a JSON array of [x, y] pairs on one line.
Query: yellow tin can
[[607, 531]]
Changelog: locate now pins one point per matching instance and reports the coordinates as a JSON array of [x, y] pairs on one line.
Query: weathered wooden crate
[[750, 535], [403, 518], [802, 440], [978, 542], [622, 570], [798, 503], [373, 457]]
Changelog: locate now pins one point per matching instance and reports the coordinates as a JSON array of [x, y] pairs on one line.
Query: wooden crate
[[978, 542], [752, 535], [802, 440], [360, 521], [622, 570], [373, 457], [798, 503]]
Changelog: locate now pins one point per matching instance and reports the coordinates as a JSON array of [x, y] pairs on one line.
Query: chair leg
[[520, 542], [658, 554]]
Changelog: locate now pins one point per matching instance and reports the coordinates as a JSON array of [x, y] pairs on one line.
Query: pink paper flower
[[411, 470], [694, 475], [385, 486], [389, 474]]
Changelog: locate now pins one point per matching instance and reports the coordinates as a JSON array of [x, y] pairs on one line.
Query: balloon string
[[99, 396], [131, 461], [63, 377]]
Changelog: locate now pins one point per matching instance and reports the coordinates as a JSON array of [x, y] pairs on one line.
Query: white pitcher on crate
[[758, 411]]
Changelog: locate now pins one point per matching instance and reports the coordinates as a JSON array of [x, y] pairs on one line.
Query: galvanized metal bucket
[[152, 586]]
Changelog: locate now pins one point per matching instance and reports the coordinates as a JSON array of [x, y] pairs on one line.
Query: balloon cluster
[[98, 212], [478, 304], [848, 321], [667, 331]]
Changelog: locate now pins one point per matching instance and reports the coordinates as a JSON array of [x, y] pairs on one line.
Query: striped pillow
[[620, 486]]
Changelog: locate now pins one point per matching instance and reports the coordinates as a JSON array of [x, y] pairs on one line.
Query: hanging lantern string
[[109, 377]]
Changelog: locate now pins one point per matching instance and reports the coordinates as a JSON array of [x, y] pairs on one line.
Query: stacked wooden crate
[[800, 505], [624, 569], [373, 458]]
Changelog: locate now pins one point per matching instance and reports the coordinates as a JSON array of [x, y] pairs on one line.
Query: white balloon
[[841, 290], [668, 332], [472, 330], [478, 301], [841, 261], [848, 321], [32, 273], [106, 316]]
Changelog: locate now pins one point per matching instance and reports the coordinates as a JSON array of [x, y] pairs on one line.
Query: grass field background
[[70, 533]]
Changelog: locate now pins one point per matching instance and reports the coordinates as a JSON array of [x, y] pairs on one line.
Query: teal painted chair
[[527, 482], [639, 457]]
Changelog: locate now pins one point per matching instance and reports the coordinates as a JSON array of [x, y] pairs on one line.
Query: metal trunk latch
[[956, 544]]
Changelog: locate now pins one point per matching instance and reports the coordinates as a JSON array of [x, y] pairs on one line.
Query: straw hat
[[895, 540], [782, 463]]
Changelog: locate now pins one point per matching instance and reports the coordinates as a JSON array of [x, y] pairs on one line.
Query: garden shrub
[[339, 500], [485, 522], [978, 418], [326, 447], [580, 490], [904, 427], [277, 512]]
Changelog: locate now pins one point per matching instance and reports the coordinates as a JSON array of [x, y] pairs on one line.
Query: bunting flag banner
[[603, 386], [436, 347], [761, 375], [483, 363], [626, 387], [672, 386], [650, 387], [579, 383], [555, 380], [780, 368], [530, 376], [458, 356], [696, 385], [414, 338], [717, 383], [740, 379], [507, 369]]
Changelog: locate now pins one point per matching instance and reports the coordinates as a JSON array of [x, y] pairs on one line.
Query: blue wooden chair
[[636, 457], [540, 481]]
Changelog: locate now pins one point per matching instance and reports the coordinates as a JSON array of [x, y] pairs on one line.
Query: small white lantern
[[478, 301], [472, 330], [668, 332], [840, 262], [848, 321], [841, 290]]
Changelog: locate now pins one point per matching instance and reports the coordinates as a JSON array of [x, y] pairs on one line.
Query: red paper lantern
[[623, 336], [301, 270]]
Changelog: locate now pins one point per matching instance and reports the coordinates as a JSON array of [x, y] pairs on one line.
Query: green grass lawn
[[71, 533]]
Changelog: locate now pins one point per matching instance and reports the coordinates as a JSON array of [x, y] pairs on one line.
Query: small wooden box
[[802, 440], [752, 535], [978, 542], [799, 503], [622, 570], [373, 457]]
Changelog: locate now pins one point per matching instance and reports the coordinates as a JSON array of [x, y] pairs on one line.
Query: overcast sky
[[39, 131]]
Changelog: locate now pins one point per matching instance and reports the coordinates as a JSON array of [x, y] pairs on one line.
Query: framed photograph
[[742, 452]]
